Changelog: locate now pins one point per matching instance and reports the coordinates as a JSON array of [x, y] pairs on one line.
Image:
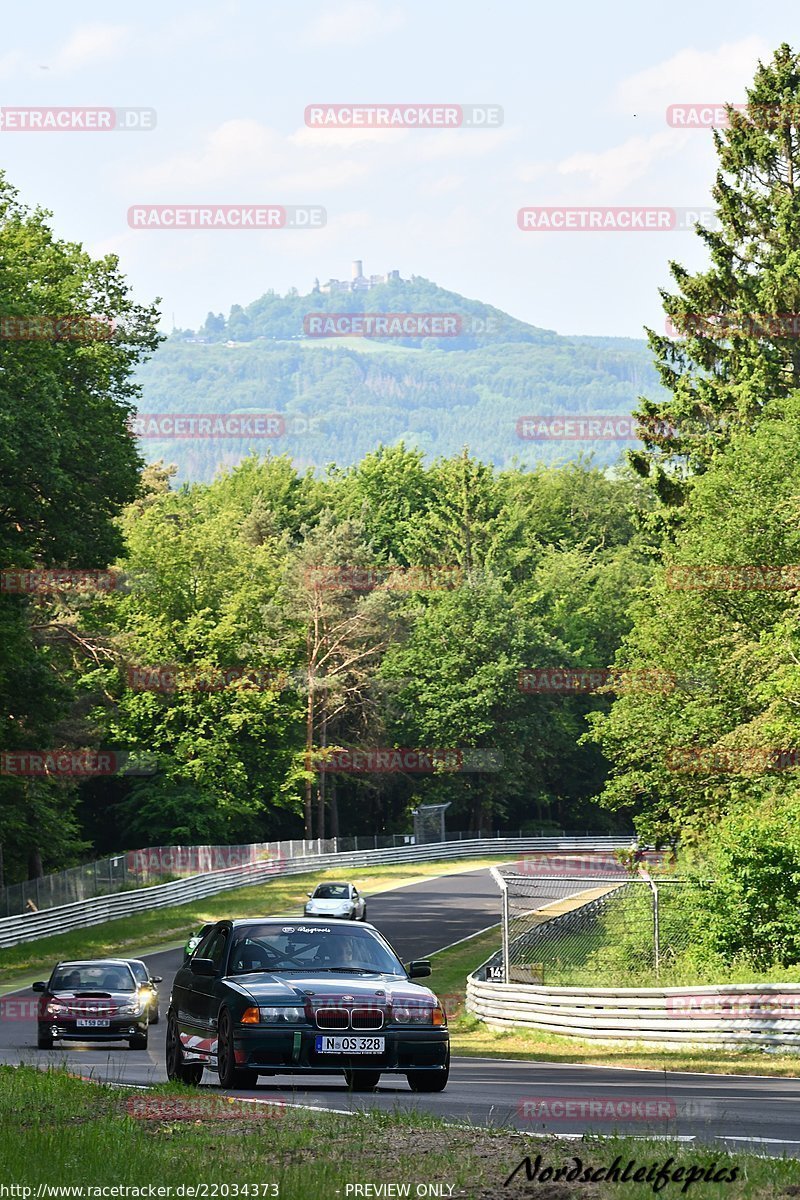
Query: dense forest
[[341, 397], [564, 646]]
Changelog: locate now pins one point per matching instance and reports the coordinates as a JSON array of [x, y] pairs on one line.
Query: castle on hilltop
[[359, 281]]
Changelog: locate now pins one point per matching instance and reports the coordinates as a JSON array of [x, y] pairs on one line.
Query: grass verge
[[472, 1037], [61, 1131], [147, 931]]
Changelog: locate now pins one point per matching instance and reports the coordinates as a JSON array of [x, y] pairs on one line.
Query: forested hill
[[340, 396]]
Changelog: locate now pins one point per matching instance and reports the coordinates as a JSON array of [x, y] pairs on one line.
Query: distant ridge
[[340, 396]]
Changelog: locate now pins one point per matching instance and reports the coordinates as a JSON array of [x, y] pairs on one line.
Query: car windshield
[[332, 891], [93, 977], [139, 972], [303, 948]]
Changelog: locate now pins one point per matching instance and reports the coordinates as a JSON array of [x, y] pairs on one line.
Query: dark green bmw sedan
[[275, 996]]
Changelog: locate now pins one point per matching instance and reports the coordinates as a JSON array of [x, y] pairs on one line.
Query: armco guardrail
[[27, 927], [732, 1015]]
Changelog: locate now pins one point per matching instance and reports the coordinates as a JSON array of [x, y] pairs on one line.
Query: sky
[[584, 90]]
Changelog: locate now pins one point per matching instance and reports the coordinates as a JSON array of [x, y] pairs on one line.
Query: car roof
[[94, 962], [321, 922]]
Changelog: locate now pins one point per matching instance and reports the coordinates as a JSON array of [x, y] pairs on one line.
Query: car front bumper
[[118, 1030], [294, 1051]]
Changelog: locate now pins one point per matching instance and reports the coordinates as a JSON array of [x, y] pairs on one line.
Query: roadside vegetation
[[474, 1038], [59, 1130], [161, 927]]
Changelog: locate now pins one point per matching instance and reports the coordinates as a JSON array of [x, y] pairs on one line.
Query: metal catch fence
[[159, 864], [600, 926]]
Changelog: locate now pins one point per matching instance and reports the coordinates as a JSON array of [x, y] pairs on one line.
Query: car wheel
[[364, 914], [177, 1069], [138, 1041], [230, 1076], [44, 1041], [430, 1081], [155, 1017], [360, 1080]]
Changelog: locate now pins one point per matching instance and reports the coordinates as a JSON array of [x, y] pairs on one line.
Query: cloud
[[693, 76], [615, 169], [443, 185], [233, 152], [87, 46], [249, 156], [321, 136], [90, 45], [354, 23]]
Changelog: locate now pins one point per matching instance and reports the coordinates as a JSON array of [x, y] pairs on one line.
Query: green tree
[[731, 360], [67, 465]]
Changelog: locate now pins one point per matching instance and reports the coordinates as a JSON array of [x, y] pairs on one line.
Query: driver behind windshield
[[267, 950]]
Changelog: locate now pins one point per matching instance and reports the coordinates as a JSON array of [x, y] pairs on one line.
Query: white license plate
[[349, 1045], [92, 1024]]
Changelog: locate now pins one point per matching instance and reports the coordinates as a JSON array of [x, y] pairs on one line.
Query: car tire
[[230, 1076], [359, 1080], [430, 1081], [364, 914], [138, 1041], [178, 1070], [155, 1017], [44, 1040]]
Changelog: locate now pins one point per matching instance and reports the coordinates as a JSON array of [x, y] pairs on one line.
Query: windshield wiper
[[354, 970]]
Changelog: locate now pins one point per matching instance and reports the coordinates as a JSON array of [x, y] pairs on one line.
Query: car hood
[[89, 997], [267, 988], [326, 905]]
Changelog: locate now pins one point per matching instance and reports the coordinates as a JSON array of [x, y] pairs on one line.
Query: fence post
[[656, 934], [501, 883]]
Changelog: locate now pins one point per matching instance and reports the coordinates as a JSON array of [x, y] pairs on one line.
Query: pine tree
[[731, 358]]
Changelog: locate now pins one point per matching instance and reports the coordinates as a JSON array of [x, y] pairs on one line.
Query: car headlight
[[285, 1015], [130, 1010], [54, 1009], [418, 1014]]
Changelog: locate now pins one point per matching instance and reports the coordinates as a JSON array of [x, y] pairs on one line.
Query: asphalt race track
[[754, 1113]]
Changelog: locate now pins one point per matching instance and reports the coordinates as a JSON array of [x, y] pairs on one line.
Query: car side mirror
[[419, 968], [39, 986], [157, 979], [202, 966], [309, 894]]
